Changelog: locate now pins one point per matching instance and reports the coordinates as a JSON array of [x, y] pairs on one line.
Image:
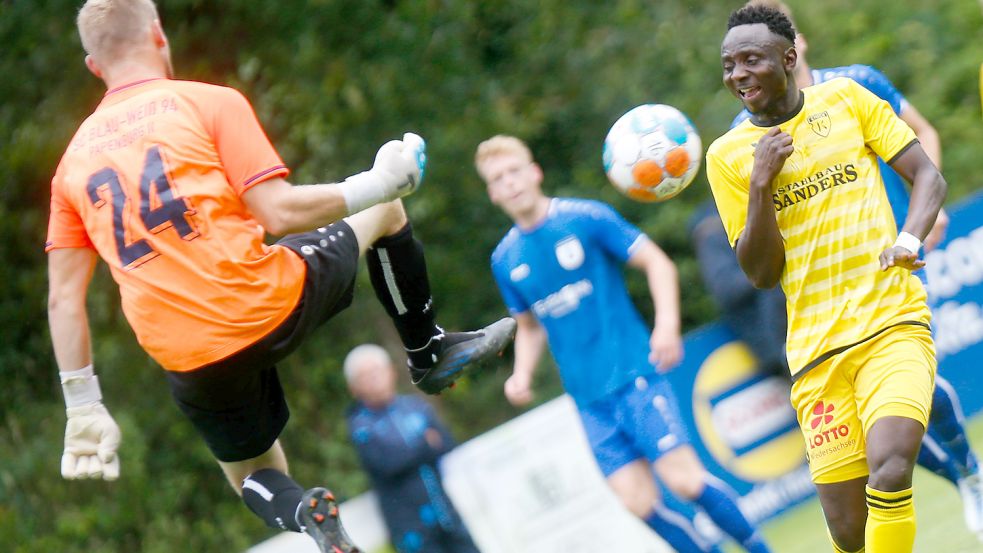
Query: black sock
[[274, 497], [398, 272]]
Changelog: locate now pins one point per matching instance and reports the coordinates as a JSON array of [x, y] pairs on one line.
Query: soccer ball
[[652, 153]]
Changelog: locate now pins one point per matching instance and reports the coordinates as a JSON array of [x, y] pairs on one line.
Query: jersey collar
[[788, 117], [128, 86]]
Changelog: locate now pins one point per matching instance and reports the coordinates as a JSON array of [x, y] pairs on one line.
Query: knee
[[394, 217], [686, 484], [682, 472], [639, 502], [892, 473], [847, 532]]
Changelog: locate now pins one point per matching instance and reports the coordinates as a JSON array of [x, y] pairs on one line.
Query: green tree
[[331, 80]]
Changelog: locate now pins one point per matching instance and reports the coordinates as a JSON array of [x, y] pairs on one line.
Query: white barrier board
[[532, 485], [529, 485]]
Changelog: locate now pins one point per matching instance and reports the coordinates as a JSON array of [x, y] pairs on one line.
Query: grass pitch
[[941, 528]]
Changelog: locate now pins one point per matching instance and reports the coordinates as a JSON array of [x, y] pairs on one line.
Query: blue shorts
[[639, 420]]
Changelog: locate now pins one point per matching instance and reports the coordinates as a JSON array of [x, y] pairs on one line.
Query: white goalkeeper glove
[[91, 435], [398, 170]]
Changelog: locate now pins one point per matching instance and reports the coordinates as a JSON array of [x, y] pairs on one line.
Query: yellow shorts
[[839, 400]]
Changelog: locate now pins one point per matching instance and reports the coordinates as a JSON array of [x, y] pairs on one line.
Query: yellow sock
[[890, 521], [837, 548]]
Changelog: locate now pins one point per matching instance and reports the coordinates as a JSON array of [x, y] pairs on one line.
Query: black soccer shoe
[[318, 516], [454, 351]]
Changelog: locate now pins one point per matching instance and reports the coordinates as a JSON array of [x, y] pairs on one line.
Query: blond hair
[[108, 28], [501, 144]]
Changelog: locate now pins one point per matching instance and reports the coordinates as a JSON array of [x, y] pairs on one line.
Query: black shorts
[[237, 404]]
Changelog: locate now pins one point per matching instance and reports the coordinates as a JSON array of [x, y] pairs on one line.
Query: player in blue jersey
[[945, 447], [559, 270], [400, 441]]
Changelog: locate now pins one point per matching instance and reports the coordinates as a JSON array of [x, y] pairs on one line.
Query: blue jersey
[[876, 82], [568, 273]]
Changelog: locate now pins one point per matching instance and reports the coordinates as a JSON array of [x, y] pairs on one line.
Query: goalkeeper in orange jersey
[[173, 183]]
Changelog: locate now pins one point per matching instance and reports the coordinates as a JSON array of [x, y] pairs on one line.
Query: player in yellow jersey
[[945, 448], [800, 196], [173, 183]]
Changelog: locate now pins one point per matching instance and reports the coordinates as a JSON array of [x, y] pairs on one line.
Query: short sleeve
[[513, 300], [246, 153], [884, 132], [878, 83], [730, 193], [65, 226], [612, 232]]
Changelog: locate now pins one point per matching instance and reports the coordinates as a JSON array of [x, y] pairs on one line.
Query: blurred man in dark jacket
[[400, 441], [756, 316]]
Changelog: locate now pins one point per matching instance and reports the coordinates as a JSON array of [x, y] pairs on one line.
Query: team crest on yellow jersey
[[820, 123]]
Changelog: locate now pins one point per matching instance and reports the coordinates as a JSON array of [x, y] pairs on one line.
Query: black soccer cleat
[[318, 516], [454, 351]]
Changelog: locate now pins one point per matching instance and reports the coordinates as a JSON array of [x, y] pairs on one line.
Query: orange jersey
[[152, 181]]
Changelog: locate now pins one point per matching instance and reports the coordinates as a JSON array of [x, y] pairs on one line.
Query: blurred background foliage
[[331, 80]]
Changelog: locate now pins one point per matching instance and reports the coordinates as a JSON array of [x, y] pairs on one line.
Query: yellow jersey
[[833, 215]]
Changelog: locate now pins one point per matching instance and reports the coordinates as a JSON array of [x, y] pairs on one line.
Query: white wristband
[[81, 387], [362, 191], [909, 242]]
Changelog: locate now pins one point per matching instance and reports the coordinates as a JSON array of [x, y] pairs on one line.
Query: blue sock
[[933, 457], [678, 531], [719, 502], [946, 425]]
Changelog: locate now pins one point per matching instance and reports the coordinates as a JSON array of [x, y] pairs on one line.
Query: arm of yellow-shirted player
[[928, 189], [663, 282], [91, 435], [925, 131], [893, 140], [529, 345], [929, 139], [760, 248]]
